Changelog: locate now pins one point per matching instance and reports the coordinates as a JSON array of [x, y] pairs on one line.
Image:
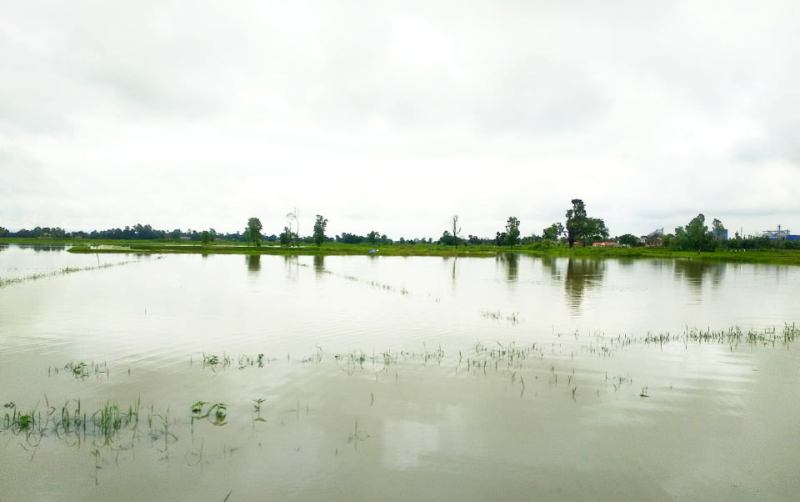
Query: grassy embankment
[[776, 256]]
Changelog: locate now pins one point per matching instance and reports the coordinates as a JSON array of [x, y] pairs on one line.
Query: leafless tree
[[294, 218], [455, 227]]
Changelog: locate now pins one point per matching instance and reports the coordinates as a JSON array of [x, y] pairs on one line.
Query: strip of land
[[92, 246]]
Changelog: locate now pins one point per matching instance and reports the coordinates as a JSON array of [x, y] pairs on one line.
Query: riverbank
[[773, 256]]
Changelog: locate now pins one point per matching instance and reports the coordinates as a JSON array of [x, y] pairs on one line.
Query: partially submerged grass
[[496, 315], [356, 359], [511, 355], [215, 413], [520, 370], [60, 272], [731, 336], [81, 370], [216, 362], [521, 366], [103, 424]]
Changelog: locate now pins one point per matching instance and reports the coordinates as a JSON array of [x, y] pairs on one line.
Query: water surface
[[399, 378]]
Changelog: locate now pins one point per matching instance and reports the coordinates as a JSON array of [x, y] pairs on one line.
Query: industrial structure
[[780, 234]]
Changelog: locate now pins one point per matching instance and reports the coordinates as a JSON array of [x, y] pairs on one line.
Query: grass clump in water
[[215, 413]]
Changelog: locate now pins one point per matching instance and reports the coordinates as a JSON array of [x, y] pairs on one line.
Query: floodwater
[[390, 378]]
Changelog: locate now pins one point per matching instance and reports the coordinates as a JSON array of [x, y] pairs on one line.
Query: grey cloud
[[21, 175], [483, 108]]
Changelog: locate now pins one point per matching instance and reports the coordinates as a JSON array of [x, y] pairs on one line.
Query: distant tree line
[[138, 232], [373, 237], [578, 229]]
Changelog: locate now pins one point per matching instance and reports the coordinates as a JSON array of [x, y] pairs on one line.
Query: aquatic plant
[[224, 361], [215, 413], [357, 436], [81, 370], [496, 315]]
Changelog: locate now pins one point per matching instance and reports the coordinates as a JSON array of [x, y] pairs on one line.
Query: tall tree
[[451, 239], [294, 218], [456, 229], [576, 221], [582, 228], [512, 231], [695, 236], [319, 230], [253, 231]]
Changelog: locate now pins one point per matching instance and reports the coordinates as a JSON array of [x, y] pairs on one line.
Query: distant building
[[779, 234], [793, 237], [654, 238], [605, 244], [721, 234]]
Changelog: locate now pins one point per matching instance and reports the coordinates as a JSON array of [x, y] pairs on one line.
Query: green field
[[787, 257]]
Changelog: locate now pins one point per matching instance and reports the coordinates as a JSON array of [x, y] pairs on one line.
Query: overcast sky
[[394, 115]]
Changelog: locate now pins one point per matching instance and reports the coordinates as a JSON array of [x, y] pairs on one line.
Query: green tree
[[695, 236], [253, 231], [629, 240], [576, 221], [3, 231], [205, 236], [553, 232], [597, 231], [582, 228], [287, 237], [373, 237], [447, 239], [512, 231], [319, 230]]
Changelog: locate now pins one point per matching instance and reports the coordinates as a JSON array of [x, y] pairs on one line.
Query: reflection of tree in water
[[659, 265], [451, 262], [319, 264], [626, 262], [697, 272], [291, 265], [511, 262], [551, 264], [43, 247], [253, 263], [582, 274]]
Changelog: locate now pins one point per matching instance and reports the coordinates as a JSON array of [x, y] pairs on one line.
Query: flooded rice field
[[228, 377]]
